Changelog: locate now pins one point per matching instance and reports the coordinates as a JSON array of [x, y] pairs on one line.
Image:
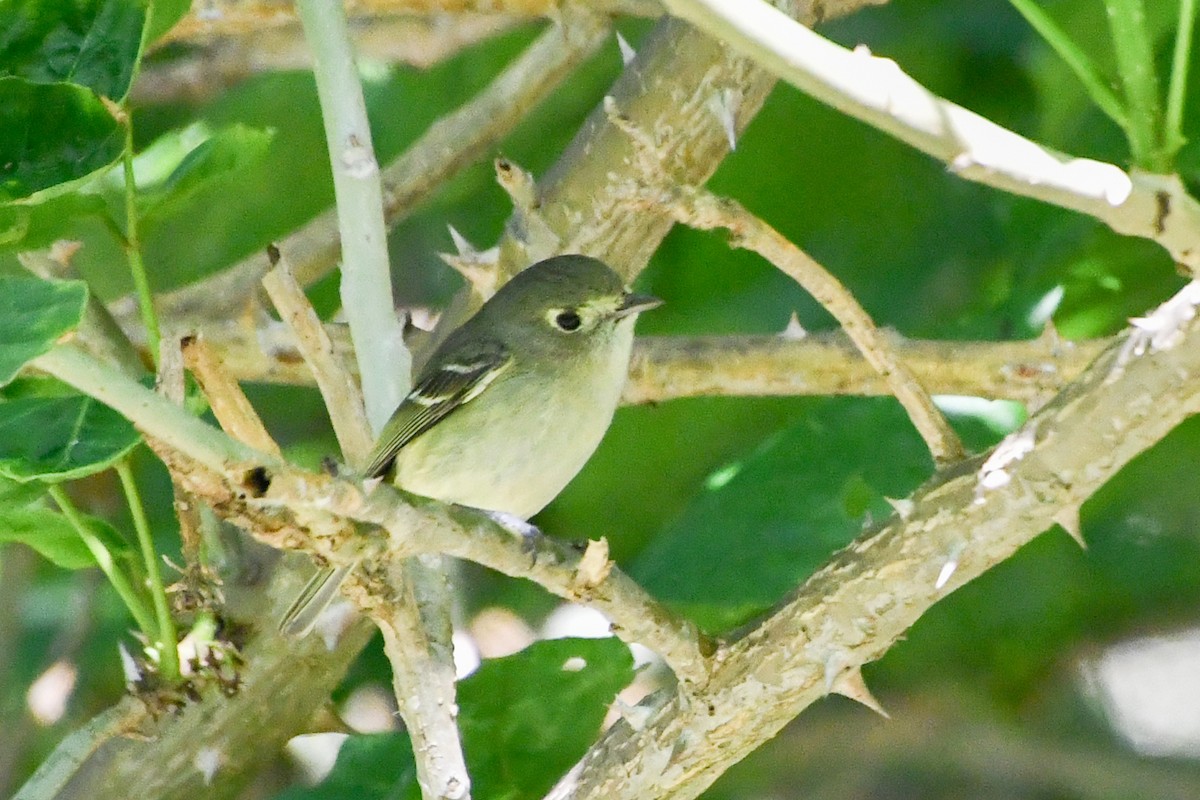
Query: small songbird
[[512, 405]]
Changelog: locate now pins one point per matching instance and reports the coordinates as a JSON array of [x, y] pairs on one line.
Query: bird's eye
[[567, 320]]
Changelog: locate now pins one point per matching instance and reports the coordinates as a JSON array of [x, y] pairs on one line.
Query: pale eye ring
[[567, 320]]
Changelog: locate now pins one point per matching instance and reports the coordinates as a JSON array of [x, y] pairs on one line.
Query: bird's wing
[[454, 383]]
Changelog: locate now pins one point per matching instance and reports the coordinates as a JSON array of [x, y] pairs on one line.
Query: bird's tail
[[302, 615]]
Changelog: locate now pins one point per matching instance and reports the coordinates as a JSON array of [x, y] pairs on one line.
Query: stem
[[118, 579], [167, 639], [133, 248], [1076, 60], [1173, 137], [383, 360], [1135, 63]]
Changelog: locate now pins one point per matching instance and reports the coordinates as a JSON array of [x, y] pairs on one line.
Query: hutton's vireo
[[510, 407]]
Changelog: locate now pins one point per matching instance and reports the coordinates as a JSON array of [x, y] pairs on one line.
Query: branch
[[210, 67], [451, 144], [700, 209], [244, 17], [962, 522], [670, 367], [422, 666], [341, 394], [876, 91], [823, 363], [669, 88]]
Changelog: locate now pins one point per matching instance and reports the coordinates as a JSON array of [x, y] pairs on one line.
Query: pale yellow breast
[[517, 445]]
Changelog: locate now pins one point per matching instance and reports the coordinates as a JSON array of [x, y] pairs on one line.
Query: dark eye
[[568, 320]]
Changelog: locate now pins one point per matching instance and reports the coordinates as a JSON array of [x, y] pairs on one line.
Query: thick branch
[[878, 92], [963, 522], [668, 89]]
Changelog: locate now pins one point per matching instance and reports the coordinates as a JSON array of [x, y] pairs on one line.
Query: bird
[[509, 408]]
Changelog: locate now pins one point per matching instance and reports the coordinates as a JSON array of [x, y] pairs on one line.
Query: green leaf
[[92, 43], [52, 135], [50, 534], [33, 315], [59, 438], [765, 522], [218, 159], [164, 15], [525, 720], [18, 494], [26, 226]]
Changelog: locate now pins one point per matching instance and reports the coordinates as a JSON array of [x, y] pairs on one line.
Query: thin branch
[[962, 523], [669, 367], [167, 637], [343, 400], [1135, 64], [133, 245], [451, 144], [366, 286], [876, 91], [1181, 59], [134, 601], [202, 72], [229, 404], [822, 363], [243, 17], [701, 209]]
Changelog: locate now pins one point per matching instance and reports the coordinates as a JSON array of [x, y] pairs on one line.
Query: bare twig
[[241, 17], [212, 66], [877, 91], [668, 367], [701, 209], [229, 403], [343, 400], [170, 383], [822, 363]]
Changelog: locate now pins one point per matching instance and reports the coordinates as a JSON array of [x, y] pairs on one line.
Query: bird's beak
[[633, 303]]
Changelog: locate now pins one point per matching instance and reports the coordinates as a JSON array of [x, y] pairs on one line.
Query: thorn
[[1068, 518], [464, 247], [948, 569], [637, 716], [628, 54], [902, 506], [724, 105], [793, 331], [132, 672], [1050, 337], [850, 683], [594, 566], [478, 268], [206, 761]]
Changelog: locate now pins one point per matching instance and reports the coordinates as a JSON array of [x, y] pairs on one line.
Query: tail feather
[[302, 615]]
